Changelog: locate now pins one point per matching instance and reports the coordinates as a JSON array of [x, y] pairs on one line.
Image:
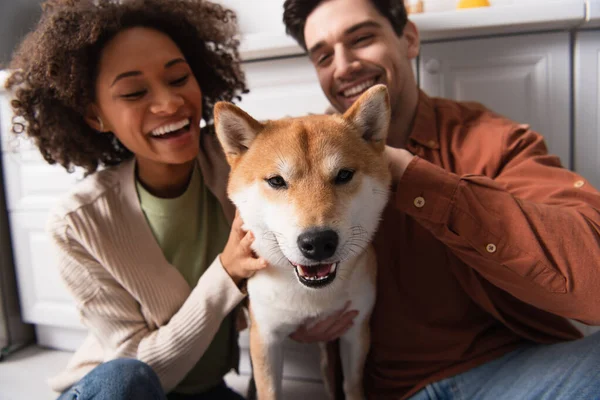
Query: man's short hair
[[295, 13]]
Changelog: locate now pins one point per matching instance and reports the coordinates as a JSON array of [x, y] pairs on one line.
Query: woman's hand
[[237, 258], [327, 329]]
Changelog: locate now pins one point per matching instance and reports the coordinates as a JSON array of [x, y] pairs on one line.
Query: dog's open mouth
[[316, 276]]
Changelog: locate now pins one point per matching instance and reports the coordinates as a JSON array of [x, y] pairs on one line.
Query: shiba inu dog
[[312, 190]]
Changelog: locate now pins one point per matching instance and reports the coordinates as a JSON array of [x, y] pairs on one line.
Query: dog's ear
[[371, 114], [235, 129]]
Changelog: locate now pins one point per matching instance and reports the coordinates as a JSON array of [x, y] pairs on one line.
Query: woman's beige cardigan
[[134, 303]]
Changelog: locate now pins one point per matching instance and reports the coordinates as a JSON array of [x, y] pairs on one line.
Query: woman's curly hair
[[55, 68]]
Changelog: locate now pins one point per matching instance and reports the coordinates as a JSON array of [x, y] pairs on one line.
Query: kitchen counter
[[494, 20], [554, 15]]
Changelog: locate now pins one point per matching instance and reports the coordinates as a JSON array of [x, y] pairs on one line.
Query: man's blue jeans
[[564, 371], [129, 379]]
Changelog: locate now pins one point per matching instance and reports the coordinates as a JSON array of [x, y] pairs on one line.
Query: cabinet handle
[[432, 66]]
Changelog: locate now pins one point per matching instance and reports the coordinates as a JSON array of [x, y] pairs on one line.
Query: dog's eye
[[344, 176], [277, 182]]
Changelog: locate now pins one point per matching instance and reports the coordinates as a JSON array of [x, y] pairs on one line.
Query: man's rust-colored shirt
[[487, 243]]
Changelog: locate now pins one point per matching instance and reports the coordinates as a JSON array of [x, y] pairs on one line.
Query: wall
[[17, 17]]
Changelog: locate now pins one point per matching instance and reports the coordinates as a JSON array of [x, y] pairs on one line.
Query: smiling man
[[349, 44], [488, 245]]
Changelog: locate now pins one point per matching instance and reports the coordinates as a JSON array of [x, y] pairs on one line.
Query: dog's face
[[311, 189]]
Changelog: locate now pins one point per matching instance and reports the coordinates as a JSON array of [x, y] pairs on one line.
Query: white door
[[525, 78]]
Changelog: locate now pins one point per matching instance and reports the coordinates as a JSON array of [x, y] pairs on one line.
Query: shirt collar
[[425, 129]]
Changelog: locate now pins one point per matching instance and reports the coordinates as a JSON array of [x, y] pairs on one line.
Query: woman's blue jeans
[[130, 379]]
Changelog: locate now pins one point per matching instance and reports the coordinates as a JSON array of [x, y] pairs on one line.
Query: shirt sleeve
[[116, 319], [533, 230]]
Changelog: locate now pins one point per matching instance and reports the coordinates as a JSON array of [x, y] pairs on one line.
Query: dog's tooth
[[333, 267], [300, 271]]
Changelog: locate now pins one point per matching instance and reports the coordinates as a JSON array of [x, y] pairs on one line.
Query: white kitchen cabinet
[[32, 187], [586, 138], [32, 184], [285, 87], [593, 14], [526, 78], [43, 297], [587, 106]]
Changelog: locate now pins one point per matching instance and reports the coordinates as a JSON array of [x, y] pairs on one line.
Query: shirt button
[[491, 248], [579, 184], [419, 202]]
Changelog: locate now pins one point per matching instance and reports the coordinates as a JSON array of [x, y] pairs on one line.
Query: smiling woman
[[60, 60], [147, 244], [148, 97]]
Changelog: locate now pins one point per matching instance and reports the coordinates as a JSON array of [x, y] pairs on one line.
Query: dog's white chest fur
[[280, 303]]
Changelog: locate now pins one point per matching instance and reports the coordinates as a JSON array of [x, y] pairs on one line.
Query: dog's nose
[[318, 244]]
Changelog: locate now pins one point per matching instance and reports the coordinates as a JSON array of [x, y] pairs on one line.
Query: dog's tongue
[[323, 270]]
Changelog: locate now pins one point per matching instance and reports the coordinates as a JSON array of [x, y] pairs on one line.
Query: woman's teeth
[[361, 87], [163, 130]]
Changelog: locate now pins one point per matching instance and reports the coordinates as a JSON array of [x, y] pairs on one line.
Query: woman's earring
[[101, 124]]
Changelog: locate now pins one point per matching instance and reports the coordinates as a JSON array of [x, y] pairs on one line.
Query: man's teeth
[[170, 127], [361, 87]]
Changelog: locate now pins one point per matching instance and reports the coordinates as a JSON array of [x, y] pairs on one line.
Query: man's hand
[[327, 329], [398, 160]]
